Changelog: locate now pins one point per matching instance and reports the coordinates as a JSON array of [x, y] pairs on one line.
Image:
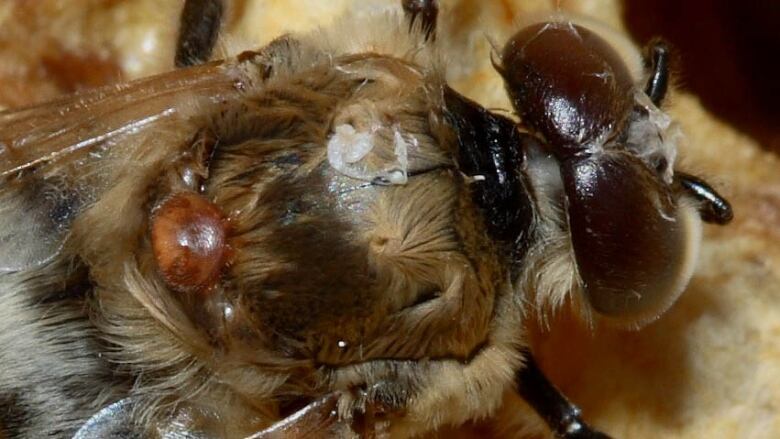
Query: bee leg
[[559, 413], [657, 60], [377, 404], [713, 208], [192, 168], [198, 30], [427, 10]]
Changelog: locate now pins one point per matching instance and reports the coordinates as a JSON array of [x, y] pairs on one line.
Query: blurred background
[[726, 53]]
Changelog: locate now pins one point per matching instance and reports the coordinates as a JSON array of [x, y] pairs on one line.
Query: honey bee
[[323, 239]]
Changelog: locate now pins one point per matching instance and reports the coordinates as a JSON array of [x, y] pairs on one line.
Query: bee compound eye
[[634, 246], [567, 83], [189, 242]]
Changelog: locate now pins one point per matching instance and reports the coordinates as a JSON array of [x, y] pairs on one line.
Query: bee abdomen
[[51, 375]]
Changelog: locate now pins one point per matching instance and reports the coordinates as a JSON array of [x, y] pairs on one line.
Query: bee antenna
[[714, 207], [657, 60]]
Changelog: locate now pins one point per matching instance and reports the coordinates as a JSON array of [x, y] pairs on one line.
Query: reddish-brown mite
[[189, 242]]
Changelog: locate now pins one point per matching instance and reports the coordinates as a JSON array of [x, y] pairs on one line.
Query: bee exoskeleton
[[189, 242]]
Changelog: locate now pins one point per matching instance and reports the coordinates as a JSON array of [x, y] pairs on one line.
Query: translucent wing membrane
[[58, 158]]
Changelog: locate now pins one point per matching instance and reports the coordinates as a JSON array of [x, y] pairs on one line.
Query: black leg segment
[[657, 59], [426, 10], [198, 31], [562, 416], [713, 208]]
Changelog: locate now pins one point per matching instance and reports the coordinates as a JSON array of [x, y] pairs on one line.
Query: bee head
[[632, 223]]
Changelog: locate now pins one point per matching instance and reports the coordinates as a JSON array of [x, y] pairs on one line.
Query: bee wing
[[113, 421], [56, 159], [318, 419]]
